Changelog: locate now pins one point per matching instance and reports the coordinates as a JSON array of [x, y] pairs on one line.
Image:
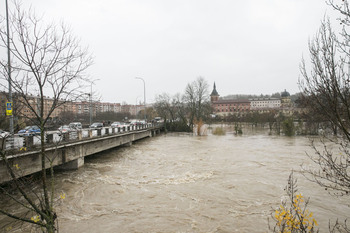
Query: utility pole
[[9, 68], [144, 95]]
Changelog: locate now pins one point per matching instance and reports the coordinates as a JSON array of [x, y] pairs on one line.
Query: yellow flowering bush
[[293, 217]]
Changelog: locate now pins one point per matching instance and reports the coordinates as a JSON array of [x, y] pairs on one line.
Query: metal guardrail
[[53, 137]]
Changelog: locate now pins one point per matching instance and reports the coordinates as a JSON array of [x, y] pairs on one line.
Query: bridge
[[67, 151]]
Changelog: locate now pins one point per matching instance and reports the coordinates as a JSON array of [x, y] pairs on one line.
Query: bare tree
[[326, 92], [46, 61], [173, 110], [197, 99]]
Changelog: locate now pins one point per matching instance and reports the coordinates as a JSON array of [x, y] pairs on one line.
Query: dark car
[[96, 125], [29, 131]]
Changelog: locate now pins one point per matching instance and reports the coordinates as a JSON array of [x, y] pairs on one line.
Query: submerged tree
[[197, 100], [173, 111], [46, 61]]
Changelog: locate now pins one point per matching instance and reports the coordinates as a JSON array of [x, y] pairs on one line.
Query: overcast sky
[[246, 47]]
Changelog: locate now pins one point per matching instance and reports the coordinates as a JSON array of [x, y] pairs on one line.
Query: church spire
[[214, 96], [214, 92]]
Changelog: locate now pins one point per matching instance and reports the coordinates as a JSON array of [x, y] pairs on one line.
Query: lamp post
[[136, 105], [90, 99], [9, 68], [90, 107], [144, 94]]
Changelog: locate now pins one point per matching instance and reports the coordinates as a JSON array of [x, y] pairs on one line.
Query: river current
[[184, 183]]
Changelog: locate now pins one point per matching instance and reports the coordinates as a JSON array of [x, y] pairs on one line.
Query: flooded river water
[[185, 183]]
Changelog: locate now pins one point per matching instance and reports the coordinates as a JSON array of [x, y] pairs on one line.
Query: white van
[[75, 125]]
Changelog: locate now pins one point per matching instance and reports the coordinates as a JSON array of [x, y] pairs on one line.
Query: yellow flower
[[23, 148], [16, 166], [62, 196], [35, 218]]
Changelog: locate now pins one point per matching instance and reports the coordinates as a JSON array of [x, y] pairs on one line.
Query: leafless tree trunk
[[197, 99], [46, 61]]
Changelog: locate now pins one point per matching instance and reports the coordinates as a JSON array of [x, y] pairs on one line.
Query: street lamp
[[90, 97], [136, 105], [144, 94]]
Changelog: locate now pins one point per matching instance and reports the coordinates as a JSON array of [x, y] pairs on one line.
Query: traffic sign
[[8, 108]]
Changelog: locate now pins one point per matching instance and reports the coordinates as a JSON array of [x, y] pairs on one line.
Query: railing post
[[2, 140], [113, 130], [49, 138], [65, 137], [80, 134], [129, 128], [28, 141], [107, 131], [90, 133], [118, 129]]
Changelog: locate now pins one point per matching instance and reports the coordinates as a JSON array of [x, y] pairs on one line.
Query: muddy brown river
[[185, 183]]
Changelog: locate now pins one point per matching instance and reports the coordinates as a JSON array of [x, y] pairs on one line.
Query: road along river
[[184, 183]]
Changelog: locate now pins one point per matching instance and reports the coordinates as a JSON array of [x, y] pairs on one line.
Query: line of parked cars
[[74, 126], [29, 131]]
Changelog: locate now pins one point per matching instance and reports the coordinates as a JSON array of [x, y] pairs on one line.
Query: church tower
[[214, 96]]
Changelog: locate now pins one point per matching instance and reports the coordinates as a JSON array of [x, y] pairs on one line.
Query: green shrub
[[219, 131]]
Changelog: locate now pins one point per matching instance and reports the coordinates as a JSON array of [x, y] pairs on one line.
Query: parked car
[[135, 122], [123, 124], [116, 124], [29, 131], [65, 129], [75, 125], [142, 122], [4, 134], [96, 125]]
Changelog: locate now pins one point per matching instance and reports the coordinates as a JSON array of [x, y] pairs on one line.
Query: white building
[[265, 103]]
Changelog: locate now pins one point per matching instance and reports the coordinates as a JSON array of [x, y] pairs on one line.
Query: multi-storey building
[[225, 107], [21, 108], [264, 104], [33, 106]]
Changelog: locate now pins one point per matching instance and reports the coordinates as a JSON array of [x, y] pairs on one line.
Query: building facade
[[225, 107], [264, 104]]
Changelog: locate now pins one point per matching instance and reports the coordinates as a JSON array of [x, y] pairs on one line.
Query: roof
[[214, 92], [285, 93], [221, 101]]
